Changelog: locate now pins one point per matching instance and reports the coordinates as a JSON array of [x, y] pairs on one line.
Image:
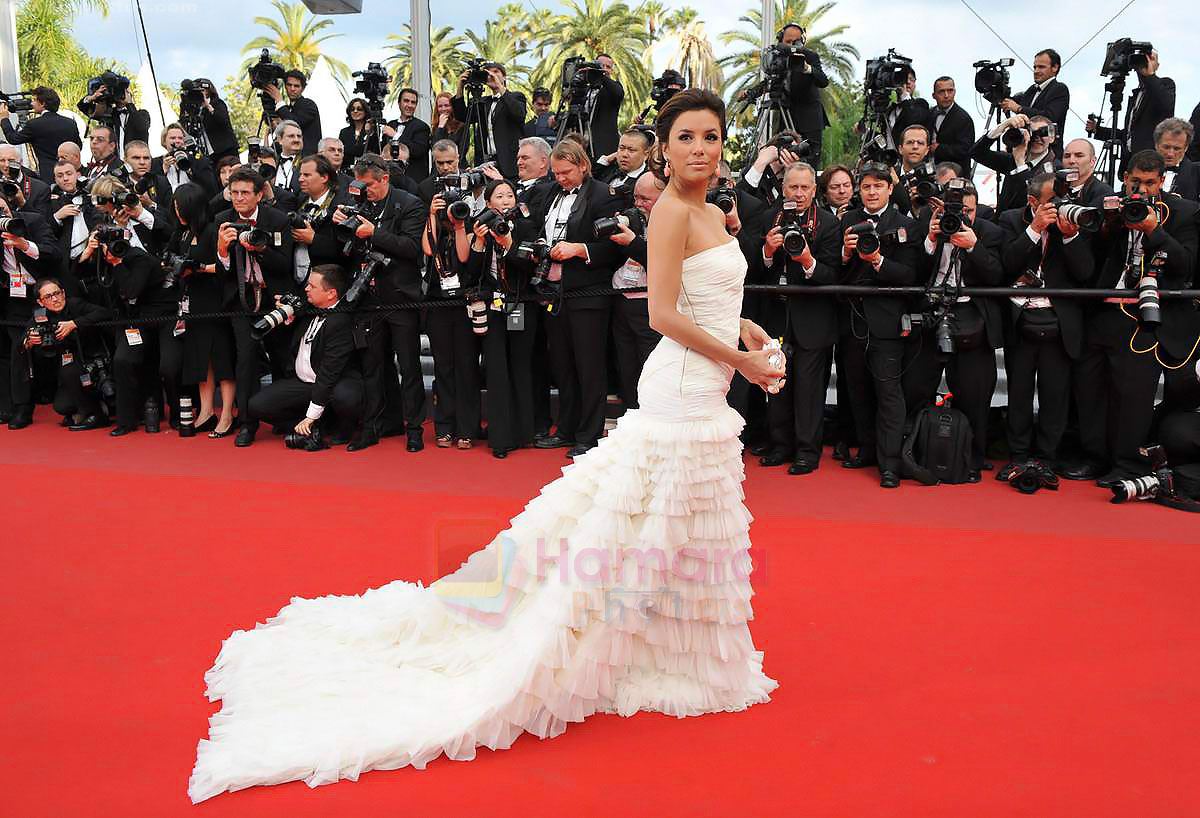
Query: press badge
[[133, 336], [278, 239], [67, 359], [516, 319], [85, 378], [450, 282], [16, 284]]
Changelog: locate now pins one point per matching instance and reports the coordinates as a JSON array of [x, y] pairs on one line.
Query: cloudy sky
[[204, 37]]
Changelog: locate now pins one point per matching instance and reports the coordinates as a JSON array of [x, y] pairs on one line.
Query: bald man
[[69, 152], [32, 194], [1080, 155]]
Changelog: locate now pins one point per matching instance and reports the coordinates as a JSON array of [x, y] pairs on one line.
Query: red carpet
[[960, 651]]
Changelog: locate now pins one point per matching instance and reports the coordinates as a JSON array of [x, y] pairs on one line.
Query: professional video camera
[[666, 86], [18, 103], [177, 268], [883, 76], [284, 313], [499, 223], [723, 197], [922, 183], [578, 77], [1125, 55], [477, 75], [191, 95], [263, 73], [115, 87], [114, 238], [372, 85], [992, 79], [794, 224], [611, 225]]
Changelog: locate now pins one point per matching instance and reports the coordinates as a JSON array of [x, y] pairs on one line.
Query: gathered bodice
[[711, 290]]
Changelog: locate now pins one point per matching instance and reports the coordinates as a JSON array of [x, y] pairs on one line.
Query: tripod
[[474, 123], [578, 114], [773, 117], [1112, 155]]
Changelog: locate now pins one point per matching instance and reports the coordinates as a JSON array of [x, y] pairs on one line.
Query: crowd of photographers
[[319, 260]]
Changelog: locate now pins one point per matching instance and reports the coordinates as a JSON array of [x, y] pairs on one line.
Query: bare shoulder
[[669, 212]]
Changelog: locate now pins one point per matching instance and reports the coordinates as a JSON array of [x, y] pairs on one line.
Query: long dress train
[[623, 586]]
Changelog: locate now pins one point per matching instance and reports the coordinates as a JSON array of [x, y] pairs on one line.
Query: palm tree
[[654, 13], [294, 40], [445, 59], [837, 56], [498, 46], [49, 53], [694, 57]]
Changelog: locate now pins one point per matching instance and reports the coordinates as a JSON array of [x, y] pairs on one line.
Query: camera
[[13, 225], [1159, 483], [723, 198], [953, 218], [45, 329], [940, 319], [265, 72], [311, 442], [372, 84], [1125, 55], [114, 239], [177, 268], [477, 75], [922, 182], [794, 225], [884, 75], [458, 204], [793, 144], [666, 86], [870, 241], [1028, 478], [536, 253], [876, 150], [289, 304], [191, 96], [466, 180], [183, 156], [578, 77], [611, 225], [256, 237], [18, 103], [992, 79], [777, 61], [499, 223], [115, 87], [1085, 218], [97, 374]]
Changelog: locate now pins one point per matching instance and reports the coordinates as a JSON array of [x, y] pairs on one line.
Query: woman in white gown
[[623, 586]]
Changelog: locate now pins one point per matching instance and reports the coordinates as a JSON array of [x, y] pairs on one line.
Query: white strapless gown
[[622, 587]]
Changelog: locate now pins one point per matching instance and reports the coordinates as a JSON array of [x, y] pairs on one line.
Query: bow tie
[[571, 192], [1173, 168]]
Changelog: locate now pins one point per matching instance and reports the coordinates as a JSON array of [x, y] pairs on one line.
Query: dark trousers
[[971, 375], [1115, 388], [248, 366], [508, 360], [16, 390], [393, 339], [874, 365], [796, 414], [634, 340], [578, 339], [456, 382], [145, 370], [1046, 365], [285, 402], [71, 397], [846, 431], [1179, 434]]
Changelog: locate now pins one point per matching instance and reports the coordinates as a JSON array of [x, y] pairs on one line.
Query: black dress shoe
[[5, 417], [986, 466], [841, 452], [364, 441], [118, 431], [889, 480], [859, 462], [775, 457], [245, 437], [973, 476], [499, 454], [552, 442], [1007, 470], [802, 467], [576, 451], [1109, 480], [339, 439], [67, 422], [88, 423], [1081, 471], [415, 441], [20, 421], [759, 449]]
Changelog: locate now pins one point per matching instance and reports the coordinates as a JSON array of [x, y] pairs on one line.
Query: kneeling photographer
[[62, 329], [1151, 243], [326, 369], [800, 249], [951, 332], [1029, 141]]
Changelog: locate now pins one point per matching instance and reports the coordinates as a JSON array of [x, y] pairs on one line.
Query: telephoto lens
[[1085, 218], [460, 210], [13, 225], [1149, 308], [477, 312], [1139, 488], [187, 417]]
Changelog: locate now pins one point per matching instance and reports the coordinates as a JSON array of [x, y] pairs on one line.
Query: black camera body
[[723, 197], [13, 225], [611, 225], [45, 328], [311, 442], [1125, 55], [458, 203], [922, 183], [953, 217], [115, 87], [883, 76], [788, 142], [871, 241], [666, 86], [992, 79], [579, 76], [777, 62], [477, 75], [876, 150], [537, 253], [177, 268], [794, 224], [114, 238], [1070, 210], [499, 223], [18, 103], [265, 72]]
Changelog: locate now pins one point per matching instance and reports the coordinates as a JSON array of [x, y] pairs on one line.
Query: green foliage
[[294, 40], [49, 53]]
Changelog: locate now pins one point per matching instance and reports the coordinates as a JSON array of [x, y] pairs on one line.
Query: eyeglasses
[[53, 295]]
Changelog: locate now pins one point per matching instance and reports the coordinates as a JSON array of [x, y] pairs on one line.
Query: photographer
[[357, 133], [44, 132], [542, 124], [806, 78], [325, 365], [181, 162], [1047, 97], [576, 330], [412, 132], [254, 258], [907, 110], [1029, 156], [969, 257], [289, 141], [1152, 102], [1171, 139], [110, 102], [72, 218], [216, 135], [396, 155], [533, 169], [1116, 384], [70, 152], [914, 160], [501, 120], [761, 179], [300, 109], [391, 224], [1080, 156], [24, 192], [869, 328], [630, 157], [835, 189], [801, 249], [662, 89], [152, 188], [952, 127], [25, 257], [1043, 336], [609, 95], [105, 161], [75, 344], [226, 165], [316, 243], [112, 199]]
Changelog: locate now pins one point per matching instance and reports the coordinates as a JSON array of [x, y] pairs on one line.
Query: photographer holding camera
[[1044, 337], [312, 222], [413, 132], [44, 132], [630, 163], [501, 118], [182, 161], [805, 80], [761, 179], [300, 109], [110, 102], [952, 127], [24, 192], [800, 249], [1152, 245], [326, 369], [876, 251], [200, 100], [72, 218], [29, 251], [254, 258], [1080, 156], [153, 189], [968, 256], [1029, 140], [103, 145], [608, 98], [389, 222], [1047, 97], [1152, 102], [1171, 139], [542, 124], [62, 329]]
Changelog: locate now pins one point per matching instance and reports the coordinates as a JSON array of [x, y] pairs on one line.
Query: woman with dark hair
[[336, 686], [445, 126], [354, 136], [511, 325], [207, 345]]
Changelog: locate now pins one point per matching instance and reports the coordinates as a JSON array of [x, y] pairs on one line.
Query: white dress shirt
[[304, 367]]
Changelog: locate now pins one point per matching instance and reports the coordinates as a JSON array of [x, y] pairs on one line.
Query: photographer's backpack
[[938, 450]]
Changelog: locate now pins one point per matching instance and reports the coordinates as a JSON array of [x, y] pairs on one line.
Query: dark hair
[[909, 73], [1147, 160], [942, 78], [98, 126], [495, 183], [689, 99], [602, 54], [224, 162], [1037, 184], [412, 91], [875, 170], [1055, 59], [352, 103], [827, 176], [297, 74], [246, 174], [644, 131], [924, 129], [333, 276], [542, 93], [42, 282], [48, 97], [192, 203], [324, 166]]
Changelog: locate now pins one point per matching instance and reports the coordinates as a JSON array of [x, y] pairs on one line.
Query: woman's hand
[[756, 367], [753, 336]]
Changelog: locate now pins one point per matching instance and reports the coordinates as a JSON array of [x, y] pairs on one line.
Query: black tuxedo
[[416, 135], [219, 129], [303, 111], [202, 173], [65, 229], [1152, 101], [325, 247], [1013, 192], [44, 133], [604, 117], [955, 137], [766, 191], [1052, 103], [37, 195], [85, 344], [911, 111], [15, 392], [1187, 180], [135, 127], [509, 122]]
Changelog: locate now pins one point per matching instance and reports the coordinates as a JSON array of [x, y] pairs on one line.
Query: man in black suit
[[316, 244], [1032, 156], [44, 132], [219, 138], [1171, 139], [952, 127], [1047, 96], [325, 364], [1116, 384], [254, 275], [806, 78], [153, 188], [907, 110], [29, 194], [413, 132], [609, 96], [24, 259], [969, 257], [501, 118], [127, 120], [870, 327], [761, 179], [1043, 337], [199, 170], [72, 217], [1151, 102], [105, 158], [542, 116], [619, 170], [445, 163], [300, 109], [808, 325], [1080, 156], [391, 225], [397, 155]]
